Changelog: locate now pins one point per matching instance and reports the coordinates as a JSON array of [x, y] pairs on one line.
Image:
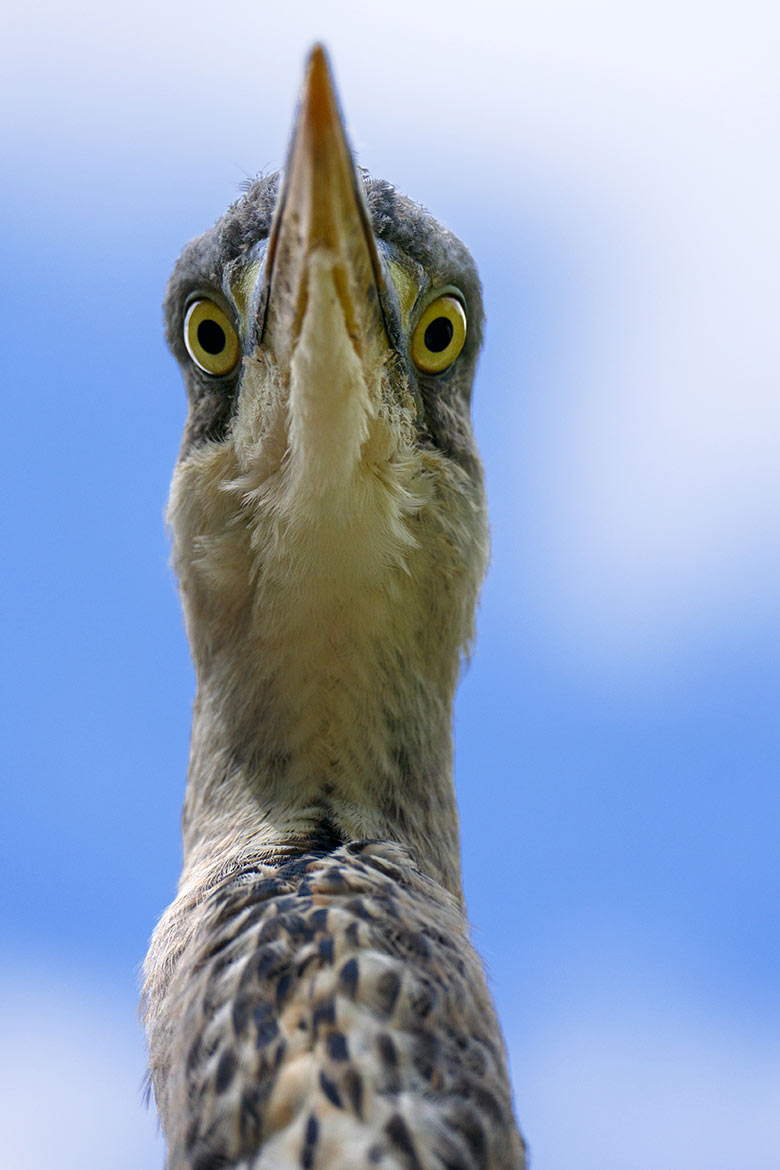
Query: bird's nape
[[312, 998]]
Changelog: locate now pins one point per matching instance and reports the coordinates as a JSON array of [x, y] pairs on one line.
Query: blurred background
[[614, 169]]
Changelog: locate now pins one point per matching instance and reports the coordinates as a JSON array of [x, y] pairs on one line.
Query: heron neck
[[316, 728]]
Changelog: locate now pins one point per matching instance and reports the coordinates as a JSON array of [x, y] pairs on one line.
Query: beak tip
[[318, 57], [319, 104]]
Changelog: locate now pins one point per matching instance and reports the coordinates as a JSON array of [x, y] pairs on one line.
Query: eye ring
[[439, 335], [210, 338]]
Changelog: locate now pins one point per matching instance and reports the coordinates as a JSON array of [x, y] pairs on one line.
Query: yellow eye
[[440, 335], [211, 340]]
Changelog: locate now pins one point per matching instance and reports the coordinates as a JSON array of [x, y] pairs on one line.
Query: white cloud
[[659, 477], [645, 1078], [71, 1074]]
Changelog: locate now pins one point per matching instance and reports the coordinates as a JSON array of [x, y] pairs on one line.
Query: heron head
[[328, 330]]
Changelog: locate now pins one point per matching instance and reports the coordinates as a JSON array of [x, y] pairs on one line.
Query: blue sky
[[614, 170]]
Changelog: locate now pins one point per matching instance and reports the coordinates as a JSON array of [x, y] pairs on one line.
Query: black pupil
[[211, 337], [438, 335]]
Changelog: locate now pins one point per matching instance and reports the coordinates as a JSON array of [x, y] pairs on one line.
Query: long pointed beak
[[323, 326], [321, 210]]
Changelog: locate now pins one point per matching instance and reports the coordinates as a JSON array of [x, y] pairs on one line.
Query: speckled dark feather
[[353, 970]]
